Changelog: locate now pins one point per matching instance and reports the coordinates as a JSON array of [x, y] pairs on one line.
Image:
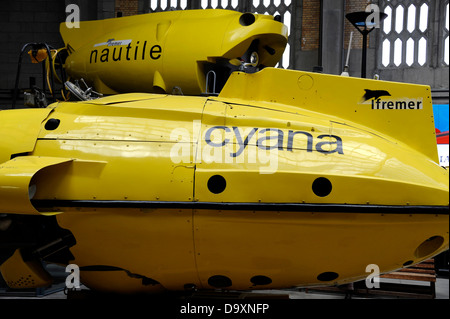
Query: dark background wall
[[36, 21], [22, 22]]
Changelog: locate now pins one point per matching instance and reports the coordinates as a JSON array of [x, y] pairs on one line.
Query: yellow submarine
[[285, 178]]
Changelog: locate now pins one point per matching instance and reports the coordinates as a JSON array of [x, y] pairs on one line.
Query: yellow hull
[[286, 179], [210, 249], [160, 52]]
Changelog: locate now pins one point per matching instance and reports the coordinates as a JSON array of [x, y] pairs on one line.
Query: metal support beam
[[332, 36]]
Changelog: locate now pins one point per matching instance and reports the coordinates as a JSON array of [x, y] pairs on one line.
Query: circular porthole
[[327, 276], [217, 184], [322, 187]]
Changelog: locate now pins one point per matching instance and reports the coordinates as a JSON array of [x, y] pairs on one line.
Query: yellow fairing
[[291, 248], [388, 109], [251, 189], [16, 188], [158, 52], [153, 244], [135, 141], [295, 249], [22, 128]]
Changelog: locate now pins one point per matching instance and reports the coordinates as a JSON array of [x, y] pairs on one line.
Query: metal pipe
[[364, 56]]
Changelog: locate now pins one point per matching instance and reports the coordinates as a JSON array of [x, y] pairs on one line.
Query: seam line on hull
[[291, 207]]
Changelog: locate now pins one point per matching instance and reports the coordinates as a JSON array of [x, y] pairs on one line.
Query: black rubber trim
[[292, 207]]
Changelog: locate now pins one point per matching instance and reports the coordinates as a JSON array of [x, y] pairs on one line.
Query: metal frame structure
[[399, 31]]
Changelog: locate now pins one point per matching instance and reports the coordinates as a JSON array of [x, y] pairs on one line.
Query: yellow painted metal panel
[[155, 118], [155, 243], [157, 52], [19, 129], [388, 109], [279, 155], [147, 149], [294, 248], [132, 171]]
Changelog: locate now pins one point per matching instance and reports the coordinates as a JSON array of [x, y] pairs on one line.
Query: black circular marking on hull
[[260, 280], [217, 184], [219, 281], [407, 263], [52, 124], [327, 276], [322, 187]]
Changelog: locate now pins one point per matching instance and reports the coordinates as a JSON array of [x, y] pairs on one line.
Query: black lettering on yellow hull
[[262, 144], [117, 54]]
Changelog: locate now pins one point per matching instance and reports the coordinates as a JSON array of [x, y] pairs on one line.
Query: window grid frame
[[435, 34]]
